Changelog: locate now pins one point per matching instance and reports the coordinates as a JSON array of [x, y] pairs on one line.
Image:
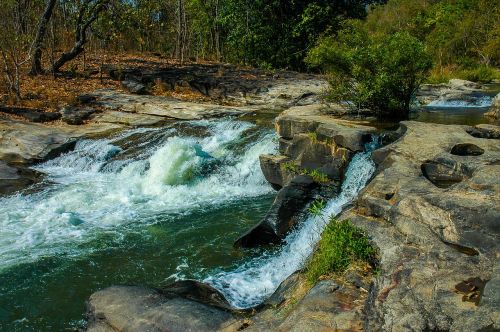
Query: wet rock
[[24, 142], [466, 149], [129, 308], [14, 178], [454, 90], [134, 87], [76, 115], [283, 215], [284, 291]]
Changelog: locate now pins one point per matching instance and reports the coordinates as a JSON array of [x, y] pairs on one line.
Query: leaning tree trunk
[[82, 28], [36, 61]]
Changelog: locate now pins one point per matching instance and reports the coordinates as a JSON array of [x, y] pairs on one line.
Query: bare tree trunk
[[36, 63], [80, 33]]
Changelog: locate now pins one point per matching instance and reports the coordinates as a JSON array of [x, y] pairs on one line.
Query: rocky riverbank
[[432, 210]]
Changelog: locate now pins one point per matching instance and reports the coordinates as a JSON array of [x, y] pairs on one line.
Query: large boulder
[[283, 215], [130, 308]]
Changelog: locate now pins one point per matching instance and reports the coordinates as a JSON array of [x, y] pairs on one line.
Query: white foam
[[92, 193], [254, 281], [479, 102]]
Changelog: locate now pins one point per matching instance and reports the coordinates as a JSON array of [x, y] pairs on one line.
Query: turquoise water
[[144, 207]]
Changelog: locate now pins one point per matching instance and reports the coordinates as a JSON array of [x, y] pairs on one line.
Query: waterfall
[[254, 281]]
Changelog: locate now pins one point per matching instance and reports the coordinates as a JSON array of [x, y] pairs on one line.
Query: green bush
[[381, 73], [341, 244]]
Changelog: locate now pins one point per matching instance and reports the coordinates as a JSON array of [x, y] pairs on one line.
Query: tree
[[36, 61], [381, 73], [88, 14]]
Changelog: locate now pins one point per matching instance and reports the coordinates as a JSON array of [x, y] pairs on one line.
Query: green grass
[[317, 207], [481, 74], [313, 137], [317, 176], [291, 166], [341, 245]]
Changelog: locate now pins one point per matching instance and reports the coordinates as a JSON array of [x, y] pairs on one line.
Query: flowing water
[[144, 207], [255, 280], [148, 206]]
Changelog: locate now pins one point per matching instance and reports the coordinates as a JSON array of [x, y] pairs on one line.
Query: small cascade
[[254, 281], [472, 102]]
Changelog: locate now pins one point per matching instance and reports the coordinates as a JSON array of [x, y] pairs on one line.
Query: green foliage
[[464, 34], [341, 244], [291, 166], [376, 72], [313, 137], [317, 176], [316, 208]]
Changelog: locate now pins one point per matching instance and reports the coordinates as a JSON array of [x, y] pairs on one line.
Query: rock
[[134, 87], [129, 308], [466, 149], [284, 291], [24, 142], [85, 99], [75, 115], [31, 114], [283, 215], [463, 84], [273, 170], [484, 131], [326, 307], [14, 178], [432, 239], [444, 172], [128, 118], [230, 84], [454, 90], [494, 112], [163, 106]]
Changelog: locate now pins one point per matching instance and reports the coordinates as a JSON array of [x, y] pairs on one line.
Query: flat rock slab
[[129, 308], [25, 142], [434, 215], [128, 118], [163, 106]]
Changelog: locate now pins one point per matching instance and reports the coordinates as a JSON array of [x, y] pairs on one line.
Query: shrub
[[341, 245], [381, 73]]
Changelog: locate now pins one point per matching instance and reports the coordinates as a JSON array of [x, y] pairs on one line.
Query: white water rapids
[[254, 281], [107, 183], [478, 102]]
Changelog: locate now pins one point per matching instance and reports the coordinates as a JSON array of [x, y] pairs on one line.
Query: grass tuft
[[341, 245]]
